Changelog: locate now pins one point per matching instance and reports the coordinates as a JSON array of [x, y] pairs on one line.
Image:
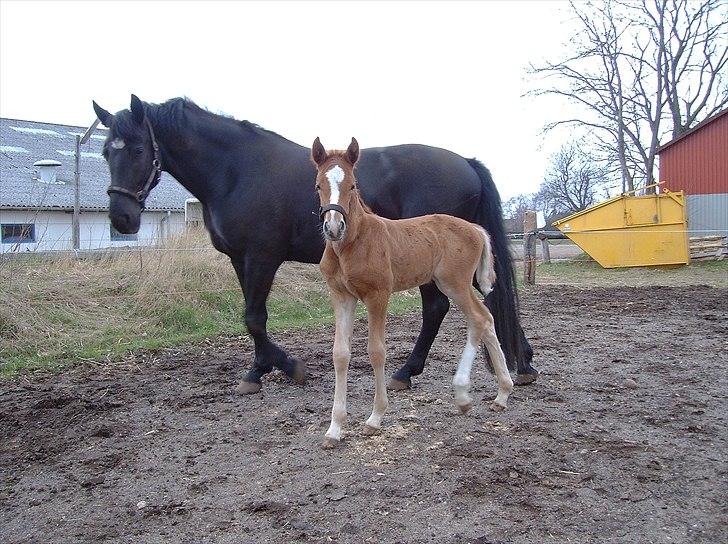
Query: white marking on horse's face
[[335, 175], [118, 143]]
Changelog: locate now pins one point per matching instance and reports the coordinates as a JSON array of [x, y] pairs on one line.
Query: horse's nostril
[[341, 225]]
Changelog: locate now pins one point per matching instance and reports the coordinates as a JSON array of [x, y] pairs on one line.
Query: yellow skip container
[[626, 230]]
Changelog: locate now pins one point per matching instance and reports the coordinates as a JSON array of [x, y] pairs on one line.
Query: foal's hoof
[[465, 408], [398, 385], [248, 388], [525, 379], [330, 443], [497, 407], [368, 430], [298, 374]]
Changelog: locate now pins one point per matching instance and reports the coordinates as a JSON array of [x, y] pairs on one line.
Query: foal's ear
[[137, 109], [318, 152], [352, 152], [104, 116]]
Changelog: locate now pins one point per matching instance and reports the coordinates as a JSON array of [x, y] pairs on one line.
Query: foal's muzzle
[[333, 230]]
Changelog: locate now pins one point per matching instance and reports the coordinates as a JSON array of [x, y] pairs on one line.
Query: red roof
[[696, 128]]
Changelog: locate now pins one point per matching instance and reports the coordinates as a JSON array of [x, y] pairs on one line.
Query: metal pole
[[77, 197], [76, 228]]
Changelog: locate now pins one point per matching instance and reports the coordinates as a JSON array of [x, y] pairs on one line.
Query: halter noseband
[[335, 208], [141, 195]]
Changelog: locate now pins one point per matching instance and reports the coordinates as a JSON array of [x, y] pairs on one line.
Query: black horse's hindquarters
[[257, 192]]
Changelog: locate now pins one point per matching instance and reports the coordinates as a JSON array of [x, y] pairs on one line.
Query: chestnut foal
[[368, 258]]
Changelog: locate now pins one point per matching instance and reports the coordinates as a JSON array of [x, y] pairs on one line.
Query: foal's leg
[[376, 304], [480, 325], [495, 353], [344, 309]]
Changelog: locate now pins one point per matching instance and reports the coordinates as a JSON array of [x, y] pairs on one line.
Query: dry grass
[[60, 308]]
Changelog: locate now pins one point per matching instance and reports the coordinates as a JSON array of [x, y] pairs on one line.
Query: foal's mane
[[338, 156]]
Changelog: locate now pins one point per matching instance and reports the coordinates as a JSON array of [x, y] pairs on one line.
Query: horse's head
[[133, 157], [336, 185]]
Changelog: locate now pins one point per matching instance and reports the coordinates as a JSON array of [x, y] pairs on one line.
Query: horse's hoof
[[398, 385], [497, 407], [298, 375], [248, 388], [330, 443], [465, 408], [525, 379], [368, 430]]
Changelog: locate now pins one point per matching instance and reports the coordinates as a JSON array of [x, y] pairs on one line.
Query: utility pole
[[76, 228]]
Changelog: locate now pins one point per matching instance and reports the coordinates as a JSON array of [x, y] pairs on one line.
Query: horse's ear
[[352, 152], [104, 116], [137, 109], [318, 152]]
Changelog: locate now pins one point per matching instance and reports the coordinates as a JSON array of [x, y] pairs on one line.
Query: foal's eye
[[318, 187]]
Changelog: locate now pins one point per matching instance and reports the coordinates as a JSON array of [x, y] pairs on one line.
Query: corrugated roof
[[24, 142]]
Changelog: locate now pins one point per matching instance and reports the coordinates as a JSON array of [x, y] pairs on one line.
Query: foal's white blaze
[[335, 175], [461, 380], [118, 143]]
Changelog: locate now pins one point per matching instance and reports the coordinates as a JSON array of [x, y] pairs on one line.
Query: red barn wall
[[698, 163]]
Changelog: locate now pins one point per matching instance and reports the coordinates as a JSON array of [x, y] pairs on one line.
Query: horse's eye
[[138, 151], [318, 187]]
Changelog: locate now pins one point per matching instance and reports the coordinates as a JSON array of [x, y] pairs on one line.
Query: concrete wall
[[53, 229]]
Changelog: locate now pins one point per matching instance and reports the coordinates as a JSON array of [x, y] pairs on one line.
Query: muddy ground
[[161, 449]]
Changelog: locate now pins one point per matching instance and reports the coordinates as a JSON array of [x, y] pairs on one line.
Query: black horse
[[260, 210]]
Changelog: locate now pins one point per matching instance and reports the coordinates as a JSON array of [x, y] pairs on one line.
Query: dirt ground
[[622, 439]]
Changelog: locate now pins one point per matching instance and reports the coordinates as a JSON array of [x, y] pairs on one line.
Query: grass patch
[[587, 273], [58, 310]]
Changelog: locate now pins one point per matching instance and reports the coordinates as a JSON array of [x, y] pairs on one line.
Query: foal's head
[[336, 186]]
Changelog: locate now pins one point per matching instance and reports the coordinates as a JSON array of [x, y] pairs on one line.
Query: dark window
[[18, 233], [117, 236]]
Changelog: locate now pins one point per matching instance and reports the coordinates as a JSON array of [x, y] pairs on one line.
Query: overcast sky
[[440, 73]]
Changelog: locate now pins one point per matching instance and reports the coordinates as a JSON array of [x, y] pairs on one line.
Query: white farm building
[[37, 173]]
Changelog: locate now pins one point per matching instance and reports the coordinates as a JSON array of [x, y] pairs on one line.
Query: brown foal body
[[368, 258]]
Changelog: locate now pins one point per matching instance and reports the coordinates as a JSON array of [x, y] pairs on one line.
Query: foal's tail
[[485, 273], [503, 301]]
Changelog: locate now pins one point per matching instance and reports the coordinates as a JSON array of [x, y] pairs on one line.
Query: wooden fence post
[[545, 250], [529, 247]]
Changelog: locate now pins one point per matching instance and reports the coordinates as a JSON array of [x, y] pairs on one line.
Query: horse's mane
[[169, 116]]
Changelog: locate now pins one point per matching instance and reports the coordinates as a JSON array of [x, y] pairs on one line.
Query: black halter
[[335, 208], [141, 195]]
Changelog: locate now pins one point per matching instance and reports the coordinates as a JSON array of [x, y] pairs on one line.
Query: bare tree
[[640, 71], [515, 207], [573, 182]]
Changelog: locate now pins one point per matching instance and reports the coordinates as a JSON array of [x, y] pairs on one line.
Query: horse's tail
[[485, 274], [503, 300]]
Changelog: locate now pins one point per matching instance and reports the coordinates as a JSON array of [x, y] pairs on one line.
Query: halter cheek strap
[[141, 195], [335, 208]]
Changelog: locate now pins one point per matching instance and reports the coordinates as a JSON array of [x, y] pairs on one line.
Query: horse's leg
[[344, 309], [256, 277], [376, 304], [526, 373], [434, 308]]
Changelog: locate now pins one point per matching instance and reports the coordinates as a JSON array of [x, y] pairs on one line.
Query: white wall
[[53, 229]]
